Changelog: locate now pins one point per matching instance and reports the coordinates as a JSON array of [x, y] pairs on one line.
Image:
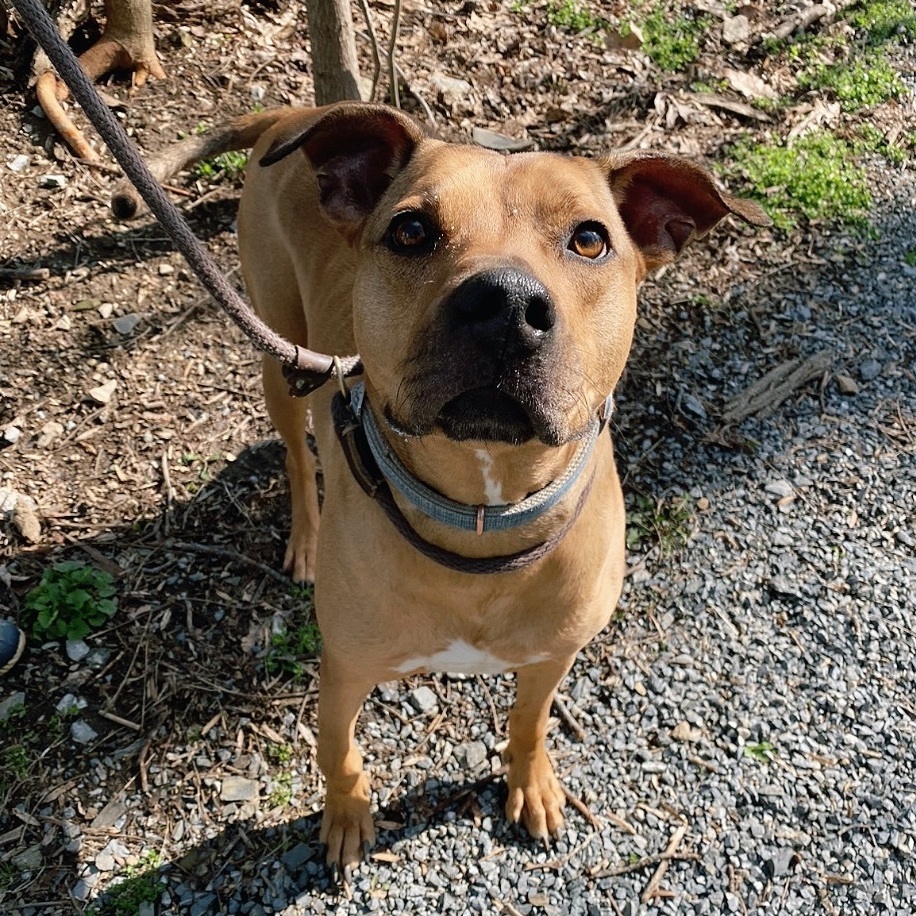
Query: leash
[[304, 369], [350, 425]]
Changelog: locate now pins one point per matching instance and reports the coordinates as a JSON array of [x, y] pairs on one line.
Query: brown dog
[[492, 299]]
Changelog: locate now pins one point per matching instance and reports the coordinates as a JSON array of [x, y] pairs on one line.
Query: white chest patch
[[492, 489], [461, 658]]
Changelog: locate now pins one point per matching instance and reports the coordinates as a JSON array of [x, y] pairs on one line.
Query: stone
[[126, 323], [736, 30], [12, 434], [846, 384], [102, 393], [54, 182], [82, 732], [77, 649], [296, 857], [422, 699], [18, 163], [870, 369], [49, 432], [471, 755], [238, 788], [11, 704]]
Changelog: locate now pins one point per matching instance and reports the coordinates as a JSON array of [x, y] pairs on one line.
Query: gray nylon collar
[[461, 515]]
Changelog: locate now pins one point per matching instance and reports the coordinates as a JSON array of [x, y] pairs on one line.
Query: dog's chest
[[460, 657]]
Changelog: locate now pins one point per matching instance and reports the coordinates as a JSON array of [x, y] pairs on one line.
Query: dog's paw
[[347, 828], [536, 797], [299, 560]]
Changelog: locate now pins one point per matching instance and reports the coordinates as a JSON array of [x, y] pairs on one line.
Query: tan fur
[[322, 277]]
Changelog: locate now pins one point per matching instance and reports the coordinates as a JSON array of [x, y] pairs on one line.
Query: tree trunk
[[127, 43], [334, 64]]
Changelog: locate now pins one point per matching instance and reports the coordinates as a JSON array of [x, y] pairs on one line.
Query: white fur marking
[[460, 657], [492, 489]]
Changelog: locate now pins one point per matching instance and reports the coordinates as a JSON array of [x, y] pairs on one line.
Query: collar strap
[[352, 438], [461, 515]]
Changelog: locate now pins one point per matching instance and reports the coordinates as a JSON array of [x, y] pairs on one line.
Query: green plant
[[231, 164], [573, 15], [290, 646], [14, 763], [8, 875], [882, 20], [672, 42], [71, 599], [910, 257], [125, 899], [855, 83], [279, 754], [665, 522], [282, 792], [817, 176], [761, 752]]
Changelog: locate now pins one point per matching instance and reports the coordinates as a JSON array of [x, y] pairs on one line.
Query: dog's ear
[[666, 201], [355, 151]]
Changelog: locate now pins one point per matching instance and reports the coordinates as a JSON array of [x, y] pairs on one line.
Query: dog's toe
[[536, 797], [347, 831]]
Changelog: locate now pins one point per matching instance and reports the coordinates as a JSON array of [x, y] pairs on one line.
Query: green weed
[[879, 21], [290, 646], [573, 16], [71, 599], [666, 522], [855, 83], [14, 763], [817, 176], [672, 42], [910, 257], [280, 754], [231, 164], [761, 752], [282, 793]]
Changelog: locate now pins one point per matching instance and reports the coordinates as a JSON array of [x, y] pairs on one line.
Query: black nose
[[504, 309]]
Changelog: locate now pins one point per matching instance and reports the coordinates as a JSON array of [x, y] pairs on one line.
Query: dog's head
[[495, 295]]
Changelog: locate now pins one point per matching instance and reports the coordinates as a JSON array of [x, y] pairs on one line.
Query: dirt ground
[[170, 478]]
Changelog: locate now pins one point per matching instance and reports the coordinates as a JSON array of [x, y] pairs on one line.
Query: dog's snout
[[505, 309]]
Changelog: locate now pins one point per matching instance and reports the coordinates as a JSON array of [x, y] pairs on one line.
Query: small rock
[[296, 857], [98, 658], [126, 323], [25, 518], [681, 731], [736, 30], [49, 432], [12, 434], [29, 859], [102, 394], [82, 732], [18, 163], [77, 650], [780, 488], [422, 699], [53, 181], [451, 90], [870, 369], [69, 702], [471, 755], [165, 270], [238, 788], [11, 704], [63, 323], [105, 309], [846, 384], [83, 888]]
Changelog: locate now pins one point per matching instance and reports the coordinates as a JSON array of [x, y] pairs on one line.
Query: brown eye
[[589, 241], [410, 233]]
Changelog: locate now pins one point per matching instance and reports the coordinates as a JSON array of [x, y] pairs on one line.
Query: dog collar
[[351, 433], [480, 518]]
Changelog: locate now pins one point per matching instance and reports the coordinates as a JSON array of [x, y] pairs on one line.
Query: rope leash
[[304, 369]]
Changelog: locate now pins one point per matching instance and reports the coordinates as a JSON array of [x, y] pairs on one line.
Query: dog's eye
[[410, 233], [589, 241]]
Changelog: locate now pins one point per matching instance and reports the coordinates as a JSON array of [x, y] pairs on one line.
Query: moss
[[818, 176], [672, 42]]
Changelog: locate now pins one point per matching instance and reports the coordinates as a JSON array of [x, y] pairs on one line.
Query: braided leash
[[305, 369]]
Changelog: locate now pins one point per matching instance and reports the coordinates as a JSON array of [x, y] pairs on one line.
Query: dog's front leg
[[346, 827], [535, 794]]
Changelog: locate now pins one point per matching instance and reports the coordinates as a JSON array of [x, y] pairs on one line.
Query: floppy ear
[[666, 201], [355, 151]]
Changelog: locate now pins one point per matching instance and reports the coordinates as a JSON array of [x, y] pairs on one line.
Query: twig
[[766, 394], [376, 53], [416, 94], [655, 881], [227, 554], [25, 273], [392, 66], [559, 703], [582, 808]]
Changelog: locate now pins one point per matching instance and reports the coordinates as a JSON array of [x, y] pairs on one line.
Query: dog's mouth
[[486, 414]]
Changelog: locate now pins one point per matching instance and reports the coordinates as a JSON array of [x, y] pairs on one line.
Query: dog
[[473, 519]]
